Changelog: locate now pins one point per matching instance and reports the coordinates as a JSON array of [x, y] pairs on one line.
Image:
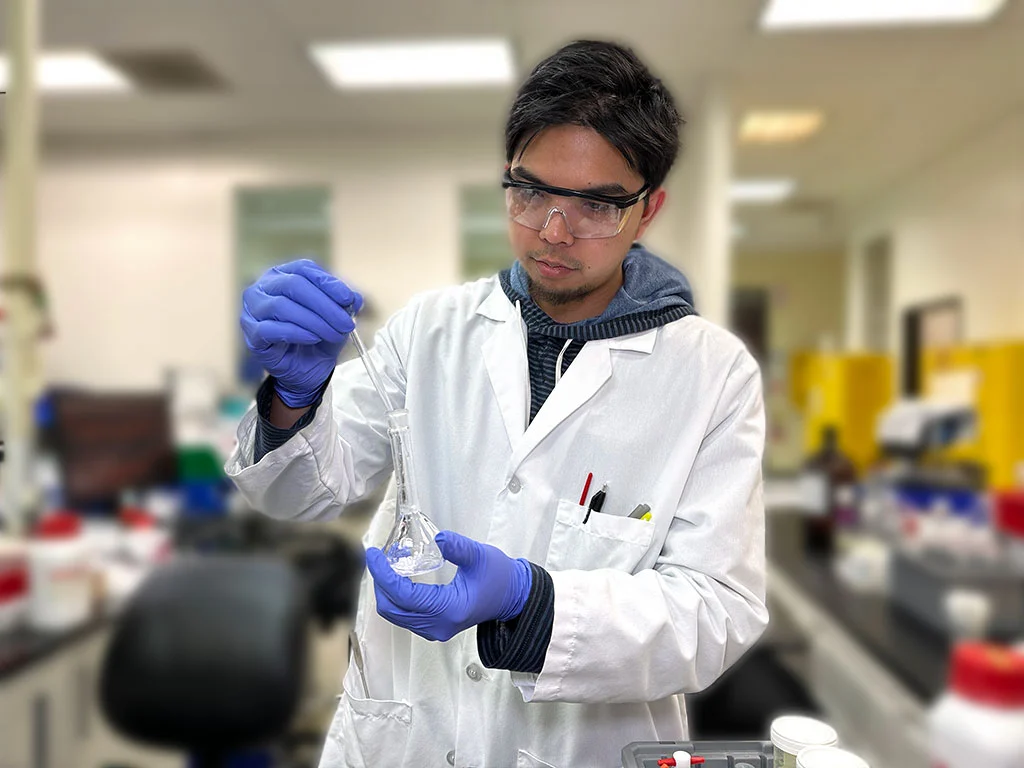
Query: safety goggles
[[587, 215]]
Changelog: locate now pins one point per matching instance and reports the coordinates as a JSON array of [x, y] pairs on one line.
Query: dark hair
[[605, 87]]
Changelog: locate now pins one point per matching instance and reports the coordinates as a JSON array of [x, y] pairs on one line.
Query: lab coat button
[[514, 486], [473, 673], [450, 757]]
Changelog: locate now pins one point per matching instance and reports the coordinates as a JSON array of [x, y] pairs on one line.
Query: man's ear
[[654, 203]]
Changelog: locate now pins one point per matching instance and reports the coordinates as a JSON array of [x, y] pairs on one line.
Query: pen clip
[[596, 503]]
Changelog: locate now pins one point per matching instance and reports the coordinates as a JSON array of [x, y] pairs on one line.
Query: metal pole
[[19, 224]]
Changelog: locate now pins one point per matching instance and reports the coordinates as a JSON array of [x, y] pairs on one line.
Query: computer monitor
[[110, 442]]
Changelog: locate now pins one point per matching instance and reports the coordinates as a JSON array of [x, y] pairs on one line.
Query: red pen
[[586, 487]]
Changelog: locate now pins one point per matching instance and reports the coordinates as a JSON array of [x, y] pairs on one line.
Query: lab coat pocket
[[605, 541], [367, 732], [526, 760]]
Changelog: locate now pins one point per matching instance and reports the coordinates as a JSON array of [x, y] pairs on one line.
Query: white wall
[[136, 246], [957, 229]]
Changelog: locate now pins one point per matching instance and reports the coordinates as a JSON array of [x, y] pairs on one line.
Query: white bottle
[[60, 579], [792, 733], [979, 720], [828, 757]]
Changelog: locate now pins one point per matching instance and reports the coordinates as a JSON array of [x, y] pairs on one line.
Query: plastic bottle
[[829, 757], [792, 733], [59, 574], [979, 720]]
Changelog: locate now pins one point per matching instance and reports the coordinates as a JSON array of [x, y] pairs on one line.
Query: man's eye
[[599, 209]]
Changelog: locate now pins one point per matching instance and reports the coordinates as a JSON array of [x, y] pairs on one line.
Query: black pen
[[597, 502]]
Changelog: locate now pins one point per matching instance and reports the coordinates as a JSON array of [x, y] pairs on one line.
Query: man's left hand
[[489, 585]]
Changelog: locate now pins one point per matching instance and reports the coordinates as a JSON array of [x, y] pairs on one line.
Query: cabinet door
[[16, 701], [34, 714], [96, 743]]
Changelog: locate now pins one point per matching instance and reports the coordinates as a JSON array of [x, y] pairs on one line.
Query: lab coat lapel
[[507, 367], [588, 373]]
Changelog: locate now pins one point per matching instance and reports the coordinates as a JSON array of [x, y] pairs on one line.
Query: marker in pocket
[[642, 512]]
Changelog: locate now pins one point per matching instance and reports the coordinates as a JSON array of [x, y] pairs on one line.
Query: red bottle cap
[[59, 525], [133, 517], [988, 674], [1010, 512]]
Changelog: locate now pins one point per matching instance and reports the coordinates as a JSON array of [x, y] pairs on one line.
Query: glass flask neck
[[405, 473]]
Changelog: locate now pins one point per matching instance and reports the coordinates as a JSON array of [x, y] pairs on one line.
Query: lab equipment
[[792, 733], [827, 482], [979, 720], [680, 759], [714, 754], [410, 547], [985, 378], [587, 215], [371, 371], [60, 578], [921, 583], [295, 319], [828, 757], [488, 586]]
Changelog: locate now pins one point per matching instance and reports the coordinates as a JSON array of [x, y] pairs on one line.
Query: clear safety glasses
[[587, 216]]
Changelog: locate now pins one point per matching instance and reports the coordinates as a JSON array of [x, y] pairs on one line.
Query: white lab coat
[[644, 611]]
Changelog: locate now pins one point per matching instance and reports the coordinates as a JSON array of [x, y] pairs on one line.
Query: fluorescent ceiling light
[[415, 64], [797, 14], [761, 190], [71, 72], [780, 127]]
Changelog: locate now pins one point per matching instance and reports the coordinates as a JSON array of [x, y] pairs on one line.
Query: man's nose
[[556, 229]]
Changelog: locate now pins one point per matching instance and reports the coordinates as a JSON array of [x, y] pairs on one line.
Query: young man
[[563, 635]]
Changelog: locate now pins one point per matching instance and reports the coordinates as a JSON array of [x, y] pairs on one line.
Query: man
[[567, 632]]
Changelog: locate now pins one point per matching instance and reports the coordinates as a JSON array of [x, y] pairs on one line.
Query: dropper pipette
[[371, 370]]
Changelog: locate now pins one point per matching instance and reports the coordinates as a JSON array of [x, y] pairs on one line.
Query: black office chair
[[209, 657]]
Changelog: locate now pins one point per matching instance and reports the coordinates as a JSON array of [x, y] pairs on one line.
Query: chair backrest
[[209, 655]]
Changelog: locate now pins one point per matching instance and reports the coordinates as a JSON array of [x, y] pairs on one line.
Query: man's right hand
[[296, 319]]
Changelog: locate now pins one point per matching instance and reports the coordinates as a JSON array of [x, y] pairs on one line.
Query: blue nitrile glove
[[296, 319], [488, 585]]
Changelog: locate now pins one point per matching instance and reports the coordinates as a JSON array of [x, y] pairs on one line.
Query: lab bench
[[874, 670]]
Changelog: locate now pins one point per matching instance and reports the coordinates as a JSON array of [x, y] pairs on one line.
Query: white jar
[[60, 576], [793, 733], [828, 757], [980, 719]]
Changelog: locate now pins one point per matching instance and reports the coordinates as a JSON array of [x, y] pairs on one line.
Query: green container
[[197, 463]]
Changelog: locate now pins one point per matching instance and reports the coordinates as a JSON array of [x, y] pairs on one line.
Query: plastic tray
[[716, 754]]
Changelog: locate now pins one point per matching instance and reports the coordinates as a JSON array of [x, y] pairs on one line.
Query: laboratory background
[[849, 201]]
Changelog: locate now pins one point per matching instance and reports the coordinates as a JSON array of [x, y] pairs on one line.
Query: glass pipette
[[371, 370]]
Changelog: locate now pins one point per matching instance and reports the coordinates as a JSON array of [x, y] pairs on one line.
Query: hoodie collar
[[650, 284]]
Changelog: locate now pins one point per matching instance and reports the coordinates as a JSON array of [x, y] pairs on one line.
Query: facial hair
[[542, 295]]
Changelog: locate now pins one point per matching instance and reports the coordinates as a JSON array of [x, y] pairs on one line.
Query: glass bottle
[[410, 547]]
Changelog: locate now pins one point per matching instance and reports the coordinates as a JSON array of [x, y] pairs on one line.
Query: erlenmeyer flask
[[410, 547]]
